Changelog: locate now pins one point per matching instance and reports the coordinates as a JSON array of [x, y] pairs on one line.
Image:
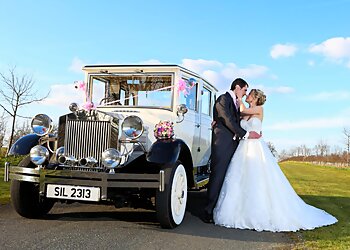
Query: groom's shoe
[[208, 218]]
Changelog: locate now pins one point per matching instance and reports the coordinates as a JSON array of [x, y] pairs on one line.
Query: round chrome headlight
[[39, 154], [132, 127], [41, 124], [111, 158], [59, 152]]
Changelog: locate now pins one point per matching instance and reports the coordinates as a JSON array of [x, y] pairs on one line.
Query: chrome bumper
[[93, 179]]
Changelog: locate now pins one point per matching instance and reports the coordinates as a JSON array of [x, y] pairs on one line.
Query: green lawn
[[327, 188], [5, 186]]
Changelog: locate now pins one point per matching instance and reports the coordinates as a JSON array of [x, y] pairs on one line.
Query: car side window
[[206, 101], [190, 98]]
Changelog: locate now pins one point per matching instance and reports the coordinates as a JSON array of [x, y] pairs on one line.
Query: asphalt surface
[[80, 226]]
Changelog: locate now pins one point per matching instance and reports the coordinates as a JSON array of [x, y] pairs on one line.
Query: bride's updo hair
[[259, 95]]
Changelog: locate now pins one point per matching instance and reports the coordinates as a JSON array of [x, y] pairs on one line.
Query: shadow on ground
[[192, 224]]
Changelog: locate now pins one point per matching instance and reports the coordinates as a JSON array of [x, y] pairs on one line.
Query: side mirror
[[181, 111]]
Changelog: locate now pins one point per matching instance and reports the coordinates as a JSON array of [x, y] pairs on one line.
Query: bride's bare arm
[[257, 110]]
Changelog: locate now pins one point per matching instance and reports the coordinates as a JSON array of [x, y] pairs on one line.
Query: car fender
[[167, 152], [24, 144]]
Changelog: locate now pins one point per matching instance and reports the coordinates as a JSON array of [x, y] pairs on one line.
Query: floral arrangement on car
[[164, 130]]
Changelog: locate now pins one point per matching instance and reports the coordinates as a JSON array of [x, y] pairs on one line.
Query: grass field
[[327, 188], [5, 186]]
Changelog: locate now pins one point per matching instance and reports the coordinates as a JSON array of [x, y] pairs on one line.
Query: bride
[[256, 194]]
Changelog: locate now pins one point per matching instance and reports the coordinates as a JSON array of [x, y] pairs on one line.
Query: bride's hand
[[254, 135]]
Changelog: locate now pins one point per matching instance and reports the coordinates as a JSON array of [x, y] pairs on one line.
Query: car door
[[190, 126], [204, 148]]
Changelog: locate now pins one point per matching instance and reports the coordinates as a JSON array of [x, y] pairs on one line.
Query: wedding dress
[[256, 194]]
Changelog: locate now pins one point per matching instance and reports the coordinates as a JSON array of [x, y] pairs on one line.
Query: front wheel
[[171, 203], [26, 200]]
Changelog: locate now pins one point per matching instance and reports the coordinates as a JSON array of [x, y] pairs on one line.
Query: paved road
[[79, 226]]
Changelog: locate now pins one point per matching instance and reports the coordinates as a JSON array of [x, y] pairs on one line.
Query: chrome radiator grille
[[87, 138]]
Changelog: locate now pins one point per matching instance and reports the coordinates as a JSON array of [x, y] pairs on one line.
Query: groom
[[225, 137]]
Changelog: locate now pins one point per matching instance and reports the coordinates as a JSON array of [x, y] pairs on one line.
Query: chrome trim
[[27, 178], [87, 138], [92, 179], [161, 180], [7, 172]]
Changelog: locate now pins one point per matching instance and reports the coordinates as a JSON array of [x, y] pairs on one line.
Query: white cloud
[[221, 75], [283, 50], [336, 49], [76, 65], [200, 65], [330, 96], [63, 94], [231, 71]]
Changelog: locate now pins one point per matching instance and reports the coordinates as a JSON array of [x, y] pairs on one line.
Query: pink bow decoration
[[88, 105], [182, 87], [80, 85], [185, 86]]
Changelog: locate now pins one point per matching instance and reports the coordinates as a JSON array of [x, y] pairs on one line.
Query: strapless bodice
[[253, 124]]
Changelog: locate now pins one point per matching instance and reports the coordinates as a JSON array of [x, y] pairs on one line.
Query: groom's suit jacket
[[227, 116], [223, 146]]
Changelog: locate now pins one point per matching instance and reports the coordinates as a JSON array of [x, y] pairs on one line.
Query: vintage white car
[[142, 137]]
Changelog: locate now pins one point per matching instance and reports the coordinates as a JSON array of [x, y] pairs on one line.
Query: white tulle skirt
[[256, 195]]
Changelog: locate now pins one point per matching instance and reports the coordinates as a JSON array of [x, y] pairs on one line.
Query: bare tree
[[322, 148], [305, 151], [283, 155], [21, 131], [346, 132], [272, 148], [15, 92], [2, 129]]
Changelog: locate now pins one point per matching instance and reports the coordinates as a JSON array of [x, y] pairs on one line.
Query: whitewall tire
[[171, 203]]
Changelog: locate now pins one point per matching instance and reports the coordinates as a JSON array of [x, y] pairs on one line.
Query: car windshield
[[144, 90]]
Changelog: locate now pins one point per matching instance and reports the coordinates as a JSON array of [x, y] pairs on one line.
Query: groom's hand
[[254, 135]]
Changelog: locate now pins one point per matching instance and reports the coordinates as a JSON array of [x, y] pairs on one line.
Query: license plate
[[73, 192]]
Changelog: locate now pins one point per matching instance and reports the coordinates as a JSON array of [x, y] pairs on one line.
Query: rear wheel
[[171, 203]]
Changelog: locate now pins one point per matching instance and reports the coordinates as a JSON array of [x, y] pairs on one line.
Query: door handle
[[198, 125]]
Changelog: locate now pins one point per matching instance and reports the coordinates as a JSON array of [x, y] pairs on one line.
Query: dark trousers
[[223, 148]]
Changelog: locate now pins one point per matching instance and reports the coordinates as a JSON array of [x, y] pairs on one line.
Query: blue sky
[[298, 52]]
